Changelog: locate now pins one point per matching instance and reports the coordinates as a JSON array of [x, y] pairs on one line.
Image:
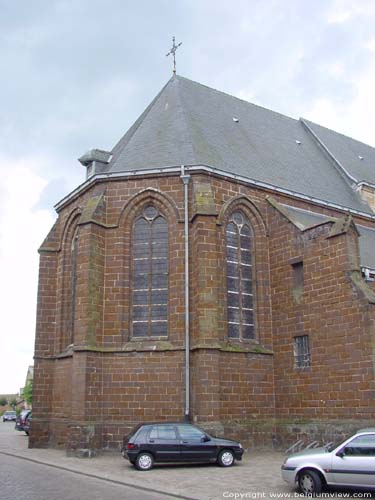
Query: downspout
[[186, 179]]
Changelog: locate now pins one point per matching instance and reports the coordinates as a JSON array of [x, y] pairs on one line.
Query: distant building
[[10, 398], [29, 378], [281, 226], [29, 375]]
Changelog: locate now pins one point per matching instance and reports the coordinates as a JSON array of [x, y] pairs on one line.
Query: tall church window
[[150, 275], [74, 255], [240, 298], [70, 280]]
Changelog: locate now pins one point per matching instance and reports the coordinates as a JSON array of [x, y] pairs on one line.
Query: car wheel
[[309, 483], [225, 458], [144, 461]]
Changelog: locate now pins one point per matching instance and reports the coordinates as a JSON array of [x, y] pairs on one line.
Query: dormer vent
[[96, 161]]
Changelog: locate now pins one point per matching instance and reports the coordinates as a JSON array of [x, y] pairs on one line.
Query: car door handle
[[184, 442], [151, 441]]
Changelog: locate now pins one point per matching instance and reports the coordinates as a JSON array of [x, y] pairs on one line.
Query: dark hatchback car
[[177, 442], [22, 419], [27, 423]]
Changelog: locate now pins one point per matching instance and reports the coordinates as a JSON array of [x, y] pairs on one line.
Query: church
[[216, 266]]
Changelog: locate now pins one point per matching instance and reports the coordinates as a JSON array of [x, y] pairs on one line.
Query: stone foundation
[[86, 440]]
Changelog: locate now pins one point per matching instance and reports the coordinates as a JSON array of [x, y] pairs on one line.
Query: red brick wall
[[89, 396], [339, 383]]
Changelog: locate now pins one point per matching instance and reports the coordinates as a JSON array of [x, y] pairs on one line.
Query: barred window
[[240, 296], [301, 351], [150, 275]]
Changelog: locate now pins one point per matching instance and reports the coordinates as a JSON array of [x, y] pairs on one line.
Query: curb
[[95, 476]]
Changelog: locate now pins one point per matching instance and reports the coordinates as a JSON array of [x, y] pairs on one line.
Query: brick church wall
[[88, 395], [339, 384]]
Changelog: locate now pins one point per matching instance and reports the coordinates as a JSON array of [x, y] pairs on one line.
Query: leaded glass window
[[150, 275], [240, 297], [74, 255], [70, 286], [301, 351]]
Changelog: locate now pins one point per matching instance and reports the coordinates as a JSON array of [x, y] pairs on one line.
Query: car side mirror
[[341, 453], [205, 439]]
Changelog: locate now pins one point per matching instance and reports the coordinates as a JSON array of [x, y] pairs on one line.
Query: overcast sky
[[75, 74]]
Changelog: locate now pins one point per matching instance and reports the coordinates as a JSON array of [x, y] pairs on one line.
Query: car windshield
[[332, 446]]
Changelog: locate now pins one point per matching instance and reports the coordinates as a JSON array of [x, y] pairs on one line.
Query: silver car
[[351, 463], [9, 416]]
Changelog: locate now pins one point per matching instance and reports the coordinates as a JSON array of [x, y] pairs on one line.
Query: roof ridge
[[339, 133], [126, 139], [186, 122]]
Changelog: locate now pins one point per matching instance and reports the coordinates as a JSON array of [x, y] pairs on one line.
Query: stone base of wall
[[289, 432], [80, 439], [84, 439], [39, 434]]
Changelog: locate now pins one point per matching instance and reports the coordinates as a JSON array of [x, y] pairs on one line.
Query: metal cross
[[173, 51]]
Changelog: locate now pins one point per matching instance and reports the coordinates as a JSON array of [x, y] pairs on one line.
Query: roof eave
[[206, 168]]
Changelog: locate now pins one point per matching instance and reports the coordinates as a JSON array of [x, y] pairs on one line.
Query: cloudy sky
[[75, 74]]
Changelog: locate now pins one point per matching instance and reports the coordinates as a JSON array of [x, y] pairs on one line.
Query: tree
[[27, 392], [3, 402], [13, 403]]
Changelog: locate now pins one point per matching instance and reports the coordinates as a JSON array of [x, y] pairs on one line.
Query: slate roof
[[305, 219], [190, 124], [367, 246], [358, 158]]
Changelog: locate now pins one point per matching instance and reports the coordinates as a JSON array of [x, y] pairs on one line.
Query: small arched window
[[240, 297], [150, 275]]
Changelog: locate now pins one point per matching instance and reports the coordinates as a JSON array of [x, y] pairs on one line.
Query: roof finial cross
[[173, 51]]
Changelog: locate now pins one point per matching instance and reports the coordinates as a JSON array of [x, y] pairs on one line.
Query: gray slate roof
[[190, 124], [305, 219], [367, 246], [358, 158]]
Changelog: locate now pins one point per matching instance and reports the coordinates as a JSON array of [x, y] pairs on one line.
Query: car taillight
[[131, 446]]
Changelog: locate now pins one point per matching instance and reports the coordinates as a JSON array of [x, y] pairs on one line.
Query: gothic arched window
[[240, 298], [150, 275], [70, 286]]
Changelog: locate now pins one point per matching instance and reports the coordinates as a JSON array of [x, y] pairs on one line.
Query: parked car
[[21, 420], [9, 416], [27, 423], [350, 463], [177, 442]]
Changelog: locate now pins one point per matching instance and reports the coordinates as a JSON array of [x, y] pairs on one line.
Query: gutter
[[186, 179], [205, 168]]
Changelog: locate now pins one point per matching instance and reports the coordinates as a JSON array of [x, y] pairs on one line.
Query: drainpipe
[[185, 179]]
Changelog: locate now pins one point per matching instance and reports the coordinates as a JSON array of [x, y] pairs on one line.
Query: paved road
[[110, 476], [256, 476], [25, 480]]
